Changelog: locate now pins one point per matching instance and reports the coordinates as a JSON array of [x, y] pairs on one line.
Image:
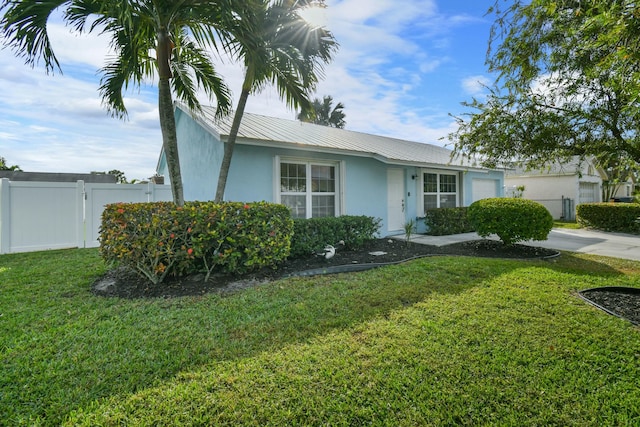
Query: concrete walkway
[[617, 245]]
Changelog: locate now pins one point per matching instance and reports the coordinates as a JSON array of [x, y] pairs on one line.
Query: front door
[[395, 200]]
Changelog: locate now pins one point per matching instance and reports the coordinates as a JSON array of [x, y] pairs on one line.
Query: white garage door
[[588, 192], [483, 189]]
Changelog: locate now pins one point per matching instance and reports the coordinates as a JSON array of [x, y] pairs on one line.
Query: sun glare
[[315, 15]]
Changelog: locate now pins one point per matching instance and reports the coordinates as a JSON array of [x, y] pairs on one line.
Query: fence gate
[[99, 195], [37, 216]]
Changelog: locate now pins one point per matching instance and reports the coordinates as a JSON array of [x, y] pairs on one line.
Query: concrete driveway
[[617, 245]]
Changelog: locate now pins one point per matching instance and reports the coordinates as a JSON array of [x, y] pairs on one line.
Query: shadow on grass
[[587, 264], [70, 349]]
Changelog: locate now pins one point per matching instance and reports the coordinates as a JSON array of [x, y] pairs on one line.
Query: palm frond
[[184, 86], [130, 65], [113, 82], [80, 12], [286, 51], [191, 61], [24, 29], [219, 24]]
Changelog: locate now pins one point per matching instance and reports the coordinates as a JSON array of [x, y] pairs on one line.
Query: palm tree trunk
[[167, 117], [230, 144], [170, 140]]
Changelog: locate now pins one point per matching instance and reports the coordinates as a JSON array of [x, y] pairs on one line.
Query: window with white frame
[[440, 189], [309, 189]]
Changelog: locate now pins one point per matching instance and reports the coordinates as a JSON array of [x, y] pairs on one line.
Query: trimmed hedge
[[622, 217], [161, 239], [513, 220], [309, 235], [446, 221]]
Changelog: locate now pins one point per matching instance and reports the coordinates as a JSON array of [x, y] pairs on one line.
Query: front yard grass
[[436, 341], [566, 224]]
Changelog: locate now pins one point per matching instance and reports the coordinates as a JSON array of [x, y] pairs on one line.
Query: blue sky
[[402, 68]]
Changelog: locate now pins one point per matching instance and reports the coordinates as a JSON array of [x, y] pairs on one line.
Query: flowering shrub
[[160, 239], [513, 220]]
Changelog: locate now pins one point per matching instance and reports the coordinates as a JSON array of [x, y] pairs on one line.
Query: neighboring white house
[[624, 189], [559, 187]]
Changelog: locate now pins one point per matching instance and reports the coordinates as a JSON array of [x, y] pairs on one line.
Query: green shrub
[[161, 239], [622, 217], [513, 220], [239, 237], [445, 221], [314, 233]]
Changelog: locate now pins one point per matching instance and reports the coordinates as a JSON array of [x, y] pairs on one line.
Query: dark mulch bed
[[619, 301], [127, 284]]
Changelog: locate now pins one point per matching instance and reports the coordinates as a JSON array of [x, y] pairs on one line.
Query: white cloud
[[475, 85], [430, 65], [390, 15], [80, 107]]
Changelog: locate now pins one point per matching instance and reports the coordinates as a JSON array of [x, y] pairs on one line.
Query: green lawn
[[437, 341], [566, 224]]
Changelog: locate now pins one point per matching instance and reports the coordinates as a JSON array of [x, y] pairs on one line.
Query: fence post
[[150, 192], [5, 216], [80, 213]]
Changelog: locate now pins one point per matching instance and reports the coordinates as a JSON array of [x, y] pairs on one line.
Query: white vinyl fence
[[36, 216]]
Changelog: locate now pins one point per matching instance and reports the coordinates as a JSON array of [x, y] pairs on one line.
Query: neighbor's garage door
[[588, 192], [483, 189]]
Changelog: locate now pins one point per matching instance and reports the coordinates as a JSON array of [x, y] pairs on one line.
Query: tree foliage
[[322, 112], [285, 51], [619, 172], [5, 167], [121, 178], [568, 84]]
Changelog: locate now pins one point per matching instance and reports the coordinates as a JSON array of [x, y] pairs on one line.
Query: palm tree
[[321, 113], [180, 32], [288, 52]]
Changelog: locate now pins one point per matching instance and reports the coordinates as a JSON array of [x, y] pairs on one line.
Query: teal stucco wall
[[200, 155]]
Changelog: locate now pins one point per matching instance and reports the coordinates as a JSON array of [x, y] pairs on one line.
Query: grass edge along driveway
[[438, 341]]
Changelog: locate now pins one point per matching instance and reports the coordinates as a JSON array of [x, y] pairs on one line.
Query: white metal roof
[[271, 131]]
